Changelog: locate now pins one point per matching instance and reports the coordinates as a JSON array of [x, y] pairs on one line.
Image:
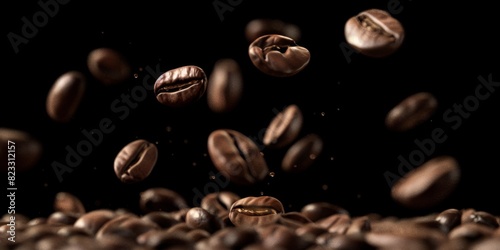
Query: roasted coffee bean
[[196, 235], [180, 214], [51, 242], [61, 218], [237, 157], [108, 66], [389, 241], [411, 112], [336, 223], [135, 161], [219, 203], [311, 229], [284, 128], [302, 154], [359, 225], [293, 220], [267, 26], [449, 219], [374, 33], [483, 218], [319, 210], [163, 219], [71, 230], [94, 220], [113, 242], [22, 151], [454, 244], [161, 199], [251, 211], [168, 240], [408, 229], [68, 203], [471, 232], [278, 55], [232, 238], [65, 96], [225, 86], [343, 242], [37, 221], [199, 218], [280, 236], [180, 86], [487, 244], [127, 226], [428, 184]]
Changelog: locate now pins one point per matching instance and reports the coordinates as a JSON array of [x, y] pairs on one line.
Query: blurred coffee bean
[[51, 242], [199, 218], [22, 151], [266, 26], [278, 55], [293, 220], [487, 244], [135, 161], [359, 225], [251, 211], [68, 203], [336, 223], [196, 235], [219, 203], [61, 218], [65, 96], [471, 232], [163, 219], [92, 221], [302, 154], [481, 217], [449, 219], [428, 184], [284, 128], [161, 199], [225, 86], [319, 210], [108, 66], [374, 33], [237, 157], [181, 86], [343, 242], [411, 112], [280, 236], [310, 230], [168, 240], [71, 230], [233, 238]]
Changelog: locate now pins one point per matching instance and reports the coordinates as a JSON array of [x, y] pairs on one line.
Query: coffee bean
[[487, 244], [471, 232], [161, 199], [481, 217], [343, 242], [219, 203], [180, 86], [310, 230], [232, 238], [71, 230], [267, 26], [280, 236], [68, 203], [94, 220], [284, 128], [28, 150], [336, 223], [251, 211], [62, 218], [108, 66], [199, 218], [374, 33], [449, 219], [302, 154], [293, 220], [65, 96], [135, 161], [168, 240], [225, 86], [359, 225], [411, 112], [51, 242], [278, 55], [196, 235], [318, 210], [428, 184], [237, 157], [162, 219]]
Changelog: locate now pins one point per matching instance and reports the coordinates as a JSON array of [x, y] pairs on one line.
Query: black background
[[446, 48]]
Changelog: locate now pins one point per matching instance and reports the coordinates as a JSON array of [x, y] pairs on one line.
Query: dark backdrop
[[344, 100]]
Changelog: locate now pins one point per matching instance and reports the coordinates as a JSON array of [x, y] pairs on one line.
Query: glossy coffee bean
[[302, 154], [359, 225], [65, 96], [237, 157], [374, 33], [199, 218], [428, 184], [278, 55], [284, 128], [180, 86], [161, 199], [94, 220], [225, 86], [411, 112], [22, 160], [471, 232], [251, 211], [449, 219], [135, 161], [68, 203], [61, 218], [108, 66], [481, 217], [267, 26], [219, 203], [318, 210]]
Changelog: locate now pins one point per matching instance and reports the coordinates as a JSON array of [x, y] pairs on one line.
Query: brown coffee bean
[[237, 157], [70, 230], [359, 225], [428, 184], [449, 219], [68, 203], [62, 218], [311, 230], [487, 244], [319, 210], [343, 242], [219, 203], [232, 238], [411, 112], [481, 217], [196, 235], [407, 229], [180, 86], [199, 218], [280, 236], [22, 151], [278, 55], [266, 26], [161, 199], [65, 96], [163, 219], [108, 66], [293, 220], [251, 211], [471, 232], [374, 33], [135, 161], [302, 154], [336, 223], [92, 221], [284, 128], [225, 86], [168, 240]]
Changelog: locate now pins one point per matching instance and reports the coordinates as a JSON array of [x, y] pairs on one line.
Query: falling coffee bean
[[301, 155], [180, 86], [25, 150], [225, 86], [68, 203], [278, 55], [374, 33], [108, 66], [161, 199], [65, 95], [135, 161], [411, 112], [252, 211], [284, 128]]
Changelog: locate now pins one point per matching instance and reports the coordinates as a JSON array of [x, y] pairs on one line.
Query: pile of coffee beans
[[224, 220]]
